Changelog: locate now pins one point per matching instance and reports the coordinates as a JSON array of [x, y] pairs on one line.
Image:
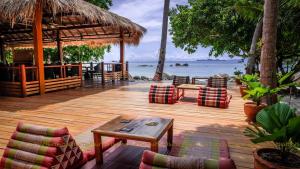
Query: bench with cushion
[[213, 97], [151, 160], [39, 147], [217, 82], [179, 80], [162, 94]]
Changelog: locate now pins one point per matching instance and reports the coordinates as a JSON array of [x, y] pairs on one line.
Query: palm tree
[[162, 52], [268, 67]]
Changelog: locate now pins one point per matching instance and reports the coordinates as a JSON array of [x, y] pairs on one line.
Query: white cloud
[[149, 13]]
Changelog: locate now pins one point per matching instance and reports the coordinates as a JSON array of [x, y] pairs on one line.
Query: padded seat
[[217, 82], [179, 80], [151, 160], [39, 147], [162, 94], [213, 97]]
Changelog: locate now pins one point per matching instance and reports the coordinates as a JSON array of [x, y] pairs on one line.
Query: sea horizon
[[204, 67]]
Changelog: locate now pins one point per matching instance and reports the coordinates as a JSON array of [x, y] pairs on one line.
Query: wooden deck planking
[[81, 108]]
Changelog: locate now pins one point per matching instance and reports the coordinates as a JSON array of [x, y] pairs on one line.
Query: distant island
[[221, 60]]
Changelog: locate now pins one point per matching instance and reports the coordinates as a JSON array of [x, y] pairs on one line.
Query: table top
[[142, 129], [189, 86]]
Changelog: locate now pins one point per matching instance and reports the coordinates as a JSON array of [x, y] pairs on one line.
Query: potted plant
[[246, 79], [237, 73], [255, 92], [280, 124]]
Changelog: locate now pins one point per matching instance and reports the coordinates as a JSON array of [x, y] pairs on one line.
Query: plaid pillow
[[35, 147], [162, 94], [213, 97], [217, 82], [151, 160], [178, 80]]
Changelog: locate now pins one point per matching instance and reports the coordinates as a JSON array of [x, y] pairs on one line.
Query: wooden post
[[59, 48], [38, 44], [103, 73], [80, 73], [127, 71], [113, 72], [23, 79], [3, 59], [122, 52]]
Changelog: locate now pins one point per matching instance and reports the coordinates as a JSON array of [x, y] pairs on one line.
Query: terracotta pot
[[238, 81], [251, 109], [242, 90], [260, 163]]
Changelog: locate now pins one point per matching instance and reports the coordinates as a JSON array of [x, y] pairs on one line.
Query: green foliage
[[277, 123], [211, 23], [245, 79], [256, 90], [9, 56], [105, 4], [73, 54], [227, 26], [237, 72]]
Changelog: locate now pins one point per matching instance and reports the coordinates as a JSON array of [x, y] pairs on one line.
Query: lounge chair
[[151, 160], [213, 97], [217, 82], [179, 80], [45, 148], [162, 94]]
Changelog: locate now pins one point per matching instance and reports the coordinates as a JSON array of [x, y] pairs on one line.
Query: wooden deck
[[80, 108]]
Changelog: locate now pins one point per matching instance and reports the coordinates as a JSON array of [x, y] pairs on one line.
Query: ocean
[[194, 68]]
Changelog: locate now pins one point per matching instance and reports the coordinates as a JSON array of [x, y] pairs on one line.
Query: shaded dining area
[[27, 29]]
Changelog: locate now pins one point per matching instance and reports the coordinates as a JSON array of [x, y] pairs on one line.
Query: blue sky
[[149, 13]]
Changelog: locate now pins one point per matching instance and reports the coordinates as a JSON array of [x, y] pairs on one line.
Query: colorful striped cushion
[[217, 82], [213, 97], [162, 94], [151, 160], [178, 80], [36, 147]]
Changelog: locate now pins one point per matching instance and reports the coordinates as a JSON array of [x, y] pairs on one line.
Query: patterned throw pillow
[[35, 147], [217, 82], [162, 94], [213, 97]]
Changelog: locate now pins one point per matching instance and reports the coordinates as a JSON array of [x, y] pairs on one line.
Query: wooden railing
[[24, 80]]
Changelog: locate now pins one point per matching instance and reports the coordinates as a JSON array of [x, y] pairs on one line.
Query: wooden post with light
[[38, 44]]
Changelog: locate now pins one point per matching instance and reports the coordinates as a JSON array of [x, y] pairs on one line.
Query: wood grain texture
[[81, 108]]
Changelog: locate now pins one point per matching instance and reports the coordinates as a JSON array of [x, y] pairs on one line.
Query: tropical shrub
[[277, 123]]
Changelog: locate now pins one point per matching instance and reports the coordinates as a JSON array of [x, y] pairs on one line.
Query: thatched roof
[[75, 20]]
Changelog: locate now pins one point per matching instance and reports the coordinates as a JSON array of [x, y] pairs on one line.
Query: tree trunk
[[268, 67], [252, 53], [162, 53]]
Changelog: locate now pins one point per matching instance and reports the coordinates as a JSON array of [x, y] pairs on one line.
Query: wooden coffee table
[[184, 87], [143, 129]]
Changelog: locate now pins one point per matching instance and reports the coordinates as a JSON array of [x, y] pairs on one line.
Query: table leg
[[98, 149], [178, 94], [170, 138], [154, 147]]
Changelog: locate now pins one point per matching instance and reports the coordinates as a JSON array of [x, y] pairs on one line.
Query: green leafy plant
[[247, 78], [256, 91], [277, 123], [237, 72]]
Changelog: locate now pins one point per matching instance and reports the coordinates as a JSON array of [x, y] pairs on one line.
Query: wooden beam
[[3, 59], [59, 48], [38, 44], [122, 52]]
